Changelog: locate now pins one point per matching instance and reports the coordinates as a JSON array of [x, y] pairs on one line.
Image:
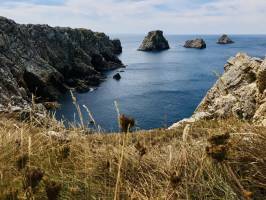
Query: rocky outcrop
[[154, 41], [117, 76], [224, 39], [239, 92], [45, 61], [197, 43], [117, 46]]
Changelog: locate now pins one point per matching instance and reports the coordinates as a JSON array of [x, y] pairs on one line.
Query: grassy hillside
[[43, 160]]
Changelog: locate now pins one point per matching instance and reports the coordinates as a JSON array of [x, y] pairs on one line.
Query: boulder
[[46, 60], [239, 92], [117, 76], [154, 41], [224, 39], [197, 43]]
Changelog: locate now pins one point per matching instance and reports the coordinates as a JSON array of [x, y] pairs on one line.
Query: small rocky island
[[154, 41], [197, 44], [117, 76], [224, 39], [47, 61]]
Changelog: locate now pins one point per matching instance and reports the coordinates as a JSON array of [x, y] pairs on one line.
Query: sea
[[157, 89]]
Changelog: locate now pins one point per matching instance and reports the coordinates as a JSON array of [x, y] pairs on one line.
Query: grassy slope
[[158, 164]]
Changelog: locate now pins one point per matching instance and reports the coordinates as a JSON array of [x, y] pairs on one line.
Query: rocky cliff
[[239, 92], [46, 60]]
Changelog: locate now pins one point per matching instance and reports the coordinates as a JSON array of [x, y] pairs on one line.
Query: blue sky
[[141, 16]]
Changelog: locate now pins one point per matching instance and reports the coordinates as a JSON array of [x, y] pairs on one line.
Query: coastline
[[219, 152]]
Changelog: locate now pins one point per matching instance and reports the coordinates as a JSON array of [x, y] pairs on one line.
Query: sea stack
[[224, 39], [154, 41], [197, 43]]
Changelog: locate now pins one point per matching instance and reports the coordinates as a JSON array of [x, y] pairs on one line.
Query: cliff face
[[239, 92], [46, 61]]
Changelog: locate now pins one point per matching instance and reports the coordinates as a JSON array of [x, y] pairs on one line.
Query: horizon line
[[186, 33]]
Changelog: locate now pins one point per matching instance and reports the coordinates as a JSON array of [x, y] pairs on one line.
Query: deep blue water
[[158, 89]]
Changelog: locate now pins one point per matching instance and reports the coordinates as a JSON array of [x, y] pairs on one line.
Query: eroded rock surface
[[239, 92], [45, 61], [154, 41], [197, 44]]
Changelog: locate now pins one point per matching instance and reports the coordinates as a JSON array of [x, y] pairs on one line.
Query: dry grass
[[157, 164]]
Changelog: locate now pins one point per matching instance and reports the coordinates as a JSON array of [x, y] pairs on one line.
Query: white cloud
[[138, 16]]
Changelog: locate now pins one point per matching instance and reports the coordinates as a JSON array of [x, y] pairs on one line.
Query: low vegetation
[[222, 159]]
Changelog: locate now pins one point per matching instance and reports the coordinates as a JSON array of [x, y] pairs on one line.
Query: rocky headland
[[224, 39], [239, 92], [46, 61], [196, 43], [154, 41], [42, 159]]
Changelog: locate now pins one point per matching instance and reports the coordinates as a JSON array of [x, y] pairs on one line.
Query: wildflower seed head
[[52, 189], [175, 179], [141, 149], [126, 123], [219, 139], [33, 177], [218, 153]]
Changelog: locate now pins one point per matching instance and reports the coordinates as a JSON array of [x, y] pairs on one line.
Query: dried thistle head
[[219, 139], [126, 123], [64, 151], [33, 177], [51, 105], [218, 153], [53, 189], [175, 179], [22, 161], [141, 149]]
